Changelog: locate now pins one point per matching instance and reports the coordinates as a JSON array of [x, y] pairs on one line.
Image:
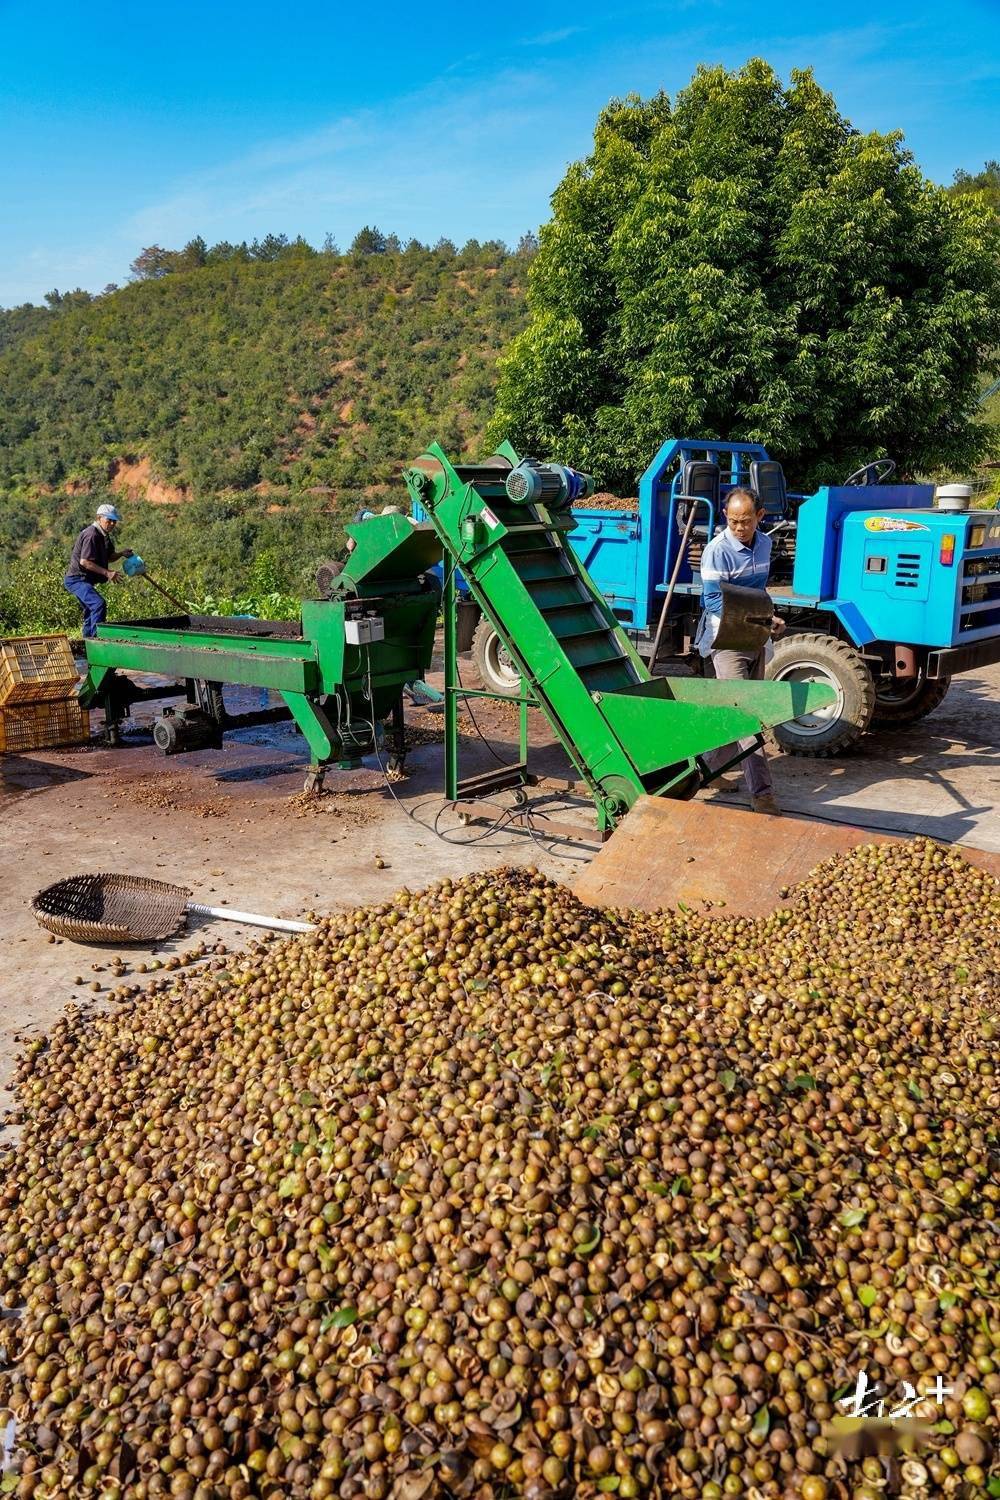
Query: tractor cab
[[686, 475]]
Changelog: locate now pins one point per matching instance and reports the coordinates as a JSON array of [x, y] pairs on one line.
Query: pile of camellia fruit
[[481, 1192]]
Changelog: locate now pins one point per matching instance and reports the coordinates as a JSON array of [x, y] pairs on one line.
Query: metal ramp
[[687, 853]]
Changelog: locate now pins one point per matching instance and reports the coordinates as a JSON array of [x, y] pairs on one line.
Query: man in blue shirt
[[739, 554]]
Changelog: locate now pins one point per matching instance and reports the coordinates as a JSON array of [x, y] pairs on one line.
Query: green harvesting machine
[[342, 669]]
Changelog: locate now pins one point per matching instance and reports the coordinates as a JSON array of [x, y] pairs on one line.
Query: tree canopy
[[742, 263], [229, 367]]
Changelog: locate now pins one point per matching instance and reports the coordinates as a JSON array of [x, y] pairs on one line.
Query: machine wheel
[[495, 670], [901, 702], [822, 658]]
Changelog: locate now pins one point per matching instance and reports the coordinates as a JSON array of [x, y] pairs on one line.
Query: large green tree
[[743, 263]]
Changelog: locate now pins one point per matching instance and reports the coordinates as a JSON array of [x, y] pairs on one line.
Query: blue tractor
[[886, 596]]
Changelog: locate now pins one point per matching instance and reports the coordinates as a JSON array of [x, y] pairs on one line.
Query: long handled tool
[[111, 908], [694, 501], [134, 567]]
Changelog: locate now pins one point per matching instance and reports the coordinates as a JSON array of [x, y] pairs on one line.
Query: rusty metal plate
[[666, 852]]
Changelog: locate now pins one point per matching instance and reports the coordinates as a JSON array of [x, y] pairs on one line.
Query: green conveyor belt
[[625, 732]]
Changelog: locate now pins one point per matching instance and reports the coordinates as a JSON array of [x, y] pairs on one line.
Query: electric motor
[[190, 729], [554, 485], [165, 736], [326, 574]]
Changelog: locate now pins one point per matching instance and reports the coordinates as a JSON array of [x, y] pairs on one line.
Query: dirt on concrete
[[232, 826], [160, 791]]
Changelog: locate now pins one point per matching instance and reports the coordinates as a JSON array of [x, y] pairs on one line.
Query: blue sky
[[124, 125]]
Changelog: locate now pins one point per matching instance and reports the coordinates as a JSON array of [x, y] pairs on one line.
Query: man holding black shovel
[[89, 564], [741, 554]]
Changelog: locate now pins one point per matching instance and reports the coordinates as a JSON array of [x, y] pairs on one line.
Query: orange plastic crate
[[34, 668], [35, 726]]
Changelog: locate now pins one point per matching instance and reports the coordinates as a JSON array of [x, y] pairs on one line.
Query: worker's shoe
[[766, 804], [728, 785]]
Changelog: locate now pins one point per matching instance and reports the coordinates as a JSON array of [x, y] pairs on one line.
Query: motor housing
[[175, 732], [555, 485]]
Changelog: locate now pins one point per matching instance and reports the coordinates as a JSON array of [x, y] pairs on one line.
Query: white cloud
[[413, 167], [553, 38]]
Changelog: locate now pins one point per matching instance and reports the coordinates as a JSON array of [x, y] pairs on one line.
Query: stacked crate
[[38, 703]]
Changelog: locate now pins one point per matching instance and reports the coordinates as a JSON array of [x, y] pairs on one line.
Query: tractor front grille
[[980, 598], [982, 562]]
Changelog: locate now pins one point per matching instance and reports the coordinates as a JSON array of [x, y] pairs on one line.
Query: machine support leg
[[313, 785], [523, 717], [396, 764], [398, 728], [314, 724], [450, 688], [103, 687]]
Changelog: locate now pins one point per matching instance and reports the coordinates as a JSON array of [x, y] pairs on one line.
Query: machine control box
[[364, 630]]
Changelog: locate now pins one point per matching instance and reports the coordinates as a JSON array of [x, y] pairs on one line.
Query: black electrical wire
[[530, 814], [467, 704], [520, 813], [475, 724], [494, 827], [506, 818]]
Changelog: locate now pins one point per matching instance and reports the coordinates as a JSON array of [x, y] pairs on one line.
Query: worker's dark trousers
[[728, 665], [94, 607]]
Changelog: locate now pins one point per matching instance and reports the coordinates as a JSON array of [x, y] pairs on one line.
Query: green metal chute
[[625, 732]]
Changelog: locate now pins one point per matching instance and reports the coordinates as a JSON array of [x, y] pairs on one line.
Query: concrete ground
[[940, 777], [231, 825]]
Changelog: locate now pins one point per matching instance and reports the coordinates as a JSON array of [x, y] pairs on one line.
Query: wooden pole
[[662, 623]]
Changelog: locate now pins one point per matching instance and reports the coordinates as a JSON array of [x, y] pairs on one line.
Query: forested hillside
[[241, 401], [244, 405]]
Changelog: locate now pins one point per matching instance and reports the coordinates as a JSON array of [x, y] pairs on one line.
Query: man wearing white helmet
[[89, 564]]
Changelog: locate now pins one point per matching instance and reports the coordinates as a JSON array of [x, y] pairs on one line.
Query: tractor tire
[[494, 668], [805, 657], [898, 704]]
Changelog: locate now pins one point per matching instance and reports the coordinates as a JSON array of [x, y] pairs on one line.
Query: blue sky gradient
[[124, 125]]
